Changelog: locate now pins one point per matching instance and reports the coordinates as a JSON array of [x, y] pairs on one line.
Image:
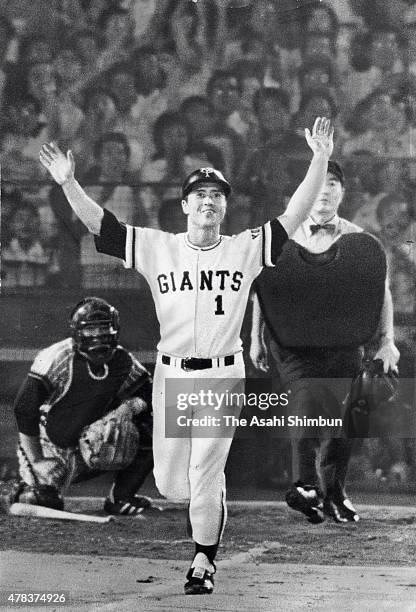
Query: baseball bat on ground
[[50, 513]]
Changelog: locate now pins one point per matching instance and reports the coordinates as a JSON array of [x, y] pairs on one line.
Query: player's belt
[[196, 363]]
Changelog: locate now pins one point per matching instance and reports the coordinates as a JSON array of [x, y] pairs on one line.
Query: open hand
[[390, 355], [259, 356], [60, 166], [322, 138]]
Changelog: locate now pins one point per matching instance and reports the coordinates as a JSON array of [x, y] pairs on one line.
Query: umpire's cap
[[335, 169], [205, 175]]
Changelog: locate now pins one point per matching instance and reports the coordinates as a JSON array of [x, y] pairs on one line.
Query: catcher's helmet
[[95, 327], [205, 175]]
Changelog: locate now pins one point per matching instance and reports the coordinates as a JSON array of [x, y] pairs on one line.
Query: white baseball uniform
[[200, 296]]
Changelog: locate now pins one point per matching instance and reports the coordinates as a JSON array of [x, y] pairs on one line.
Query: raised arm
[[387, 350], [62, 167], [258, 348], [300, 204]]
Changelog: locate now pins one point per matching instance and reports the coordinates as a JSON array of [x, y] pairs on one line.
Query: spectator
[[6, 36], [405, 96], [381, 14], [409, 48], [224, 95], [239, 214], [264, 19], [172, 162], [66, 243], [197, 31], [199, 116], [380, 125], [389, 175], [315, 73], [319, 45], [87, 44], [170, 217], [395, 215], [361, 186], [133, 112], [315, 102], [67, 65], [31, 50], [25, 261], [271, 107], [116, 26], [11, 199], [111, 186], [319, 17], [250, 79], [93, 10], [268, 182], [375, 62], [23, 134], [99, 118], [110, 179], [247, 45], [62, 116]]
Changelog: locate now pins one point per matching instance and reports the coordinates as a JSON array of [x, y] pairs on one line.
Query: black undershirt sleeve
[[31, 395], [112, 237], [279, 237]]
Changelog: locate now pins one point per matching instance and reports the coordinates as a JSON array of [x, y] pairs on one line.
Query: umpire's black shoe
[[200, 578], [340, 510], [129, 507], [306, 499]]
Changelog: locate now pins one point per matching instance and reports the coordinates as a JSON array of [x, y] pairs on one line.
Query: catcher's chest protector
[[326, 299]]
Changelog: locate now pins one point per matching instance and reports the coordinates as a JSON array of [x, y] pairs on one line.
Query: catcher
[[85, 408]]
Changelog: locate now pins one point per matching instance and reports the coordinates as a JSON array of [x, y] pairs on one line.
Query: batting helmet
[[95, 327], [205, 175]]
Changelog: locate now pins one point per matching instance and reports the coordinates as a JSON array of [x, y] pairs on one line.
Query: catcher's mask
[[95, 327]]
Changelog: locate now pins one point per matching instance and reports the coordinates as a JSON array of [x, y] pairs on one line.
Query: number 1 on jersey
[[219, 310]]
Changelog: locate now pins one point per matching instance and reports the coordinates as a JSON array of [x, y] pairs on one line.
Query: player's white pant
[[192, 468]]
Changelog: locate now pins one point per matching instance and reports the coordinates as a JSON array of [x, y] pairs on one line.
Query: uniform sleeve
[[32, 394], [274, 238], [112, 237]]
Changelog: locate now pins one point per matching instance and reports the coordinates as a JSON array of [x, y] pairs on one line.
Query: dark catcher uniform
[[71, 385], [321, 308]]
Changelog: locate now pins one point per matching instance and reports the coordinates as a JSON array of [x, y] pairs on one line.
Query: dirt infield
[[270, 559]]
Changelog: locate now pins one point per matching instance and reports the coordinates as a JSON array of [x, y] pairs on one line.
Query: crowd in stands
[[145, 91]]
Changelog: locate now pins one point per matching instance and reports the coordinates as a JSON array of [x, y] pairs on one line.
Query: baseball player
[[200, 282], [83, 408], [339, 300]]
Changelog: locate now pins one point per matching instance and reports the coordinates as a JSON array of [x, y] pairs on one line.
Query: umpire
[[327, 296], [85, 408]]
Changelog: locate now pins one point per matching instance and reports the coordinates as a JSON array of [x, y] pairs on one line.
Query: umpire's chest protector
[[326, 299]]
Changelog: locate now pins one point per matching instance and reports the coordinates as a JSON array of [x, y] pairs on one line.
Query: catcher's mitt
[[111, 443], [371, 392]]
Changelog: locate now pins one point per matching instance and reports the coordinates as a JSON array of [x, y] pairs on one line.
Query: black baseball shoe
[[308, 500], [128, 507], [200, 577], [340, 510]]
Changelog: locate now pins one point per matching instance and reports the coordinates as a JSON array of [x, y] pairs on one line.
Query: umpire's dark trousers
[[320, 455]]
